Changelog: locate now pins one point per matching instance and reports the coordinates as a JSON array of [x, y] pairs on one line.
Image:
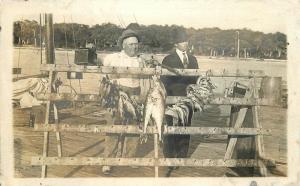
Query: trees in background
[[158, 38], [26, 32]]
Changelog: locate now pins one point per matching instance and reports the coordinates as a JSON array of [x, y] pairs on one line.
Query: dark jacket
[[177, 146], [176, 85]]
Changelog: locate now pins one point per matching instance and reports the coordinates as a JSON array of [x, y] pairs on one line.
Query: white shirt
[[180, 54], [120, 59]]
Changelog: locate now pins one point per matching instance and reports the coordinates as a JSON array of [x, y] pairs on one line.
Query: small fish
[[189, 102], [180, 112], [155, 106], [198, 103], [206, 82], [186, 112], [126, 105], [121, 108]]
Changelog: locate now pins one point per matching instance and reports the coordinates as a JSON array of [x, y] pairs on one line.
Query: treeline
[[159, 39]]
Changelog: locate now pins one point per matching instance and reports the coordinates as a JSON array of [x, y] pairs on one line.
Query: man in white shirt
[[128, 57]]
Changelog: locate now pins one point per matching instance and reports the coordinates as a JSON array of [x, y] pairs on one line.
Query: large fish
[[155, 106]]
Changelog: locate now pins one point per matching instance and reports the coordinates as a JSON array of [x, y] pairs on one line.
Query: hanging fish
[[189, 102], [186, 111], [126, 106], [155, 106], [198, 103], [180, 112], [206, 82]]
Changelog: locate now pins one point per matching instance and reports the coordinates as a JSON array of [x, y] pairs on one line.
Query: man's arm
[[165, 80], [194, 65], [145, 82], [194, 62]]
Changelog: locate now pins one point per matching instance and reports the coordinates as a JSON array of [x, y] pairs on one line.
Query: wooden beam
[[69, 97], [50, 55], [170, 99], [146, 71], [156, 154], [232, 142], [30, 76], [228, 101], [45, 153], [152, 130], [77, 161], [58, 139], [46, 133], [259, 143]]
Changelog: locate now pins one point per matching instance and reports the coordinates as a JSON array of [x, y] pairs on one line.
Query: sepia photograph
[[154, 89]]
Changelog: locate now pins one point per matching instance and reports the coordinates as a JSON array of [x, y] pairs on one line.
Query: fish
[[104, 86], [189, 102], [206, 83], [126, 106], [181, 114], [154, 107], [186, 111], [108, 92], [198, 103]]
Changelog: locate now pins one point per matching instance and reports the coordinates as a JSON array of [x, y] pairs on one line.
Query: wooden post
[[242, 147], [45, 153], [238, 124], [259, 143], [238, 45], [260, 155], [49, 39], [41, 39], [46, 134], [52, 76], [58, 140], [156, 153], [270, 90]]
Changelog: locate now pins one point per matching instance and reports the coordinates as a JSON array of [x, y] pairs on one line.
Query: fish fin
[[143, 138]]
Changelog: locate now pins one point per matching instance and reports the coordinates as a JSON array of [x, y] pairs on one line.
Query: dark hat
[[126, 34], [180, 36]]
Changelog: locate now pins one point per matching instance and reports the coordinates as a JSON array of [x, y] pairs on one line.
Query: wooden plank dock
[[28, 143]]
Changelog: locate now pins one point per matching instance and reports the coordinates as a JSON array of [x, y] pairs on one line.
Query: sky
[[268, 16]]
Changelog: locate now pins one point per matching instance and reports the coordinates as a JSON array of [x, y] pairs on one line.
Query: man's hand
[[149, 60]]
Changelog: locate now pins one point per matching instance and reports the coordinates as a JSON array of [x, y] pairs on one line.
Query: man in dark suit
[[177, 146]]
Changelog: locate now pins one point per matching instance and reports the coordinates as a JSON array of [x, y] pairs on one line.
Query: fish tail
[[146, 119], [158, 118]]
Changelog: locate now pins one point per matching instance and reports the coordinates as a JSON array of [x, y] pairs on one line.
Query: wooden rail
[[147, 71], [149, 162], [170, 99], [151, 130], [31, 76]]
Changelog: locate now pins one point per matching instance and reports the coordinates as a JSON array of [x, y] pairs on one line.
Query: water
[[29, 60]]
